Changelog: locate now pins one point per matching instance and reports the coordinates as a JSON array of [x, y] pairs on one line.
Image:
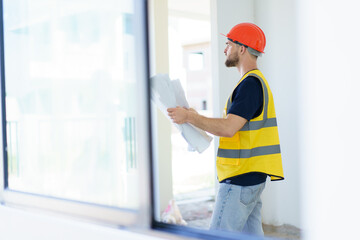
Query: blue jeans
[[238, 208]]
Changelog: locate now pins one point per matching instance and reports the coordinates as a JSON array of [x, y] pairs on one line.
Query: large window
[[71, 102]]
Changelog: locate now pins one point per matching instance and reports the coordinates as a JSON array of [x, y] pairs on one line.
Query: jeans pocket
[[250, 194]]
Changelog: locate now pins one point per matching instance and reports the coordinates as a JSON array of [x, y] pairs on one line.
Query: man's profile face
[[232, 57]]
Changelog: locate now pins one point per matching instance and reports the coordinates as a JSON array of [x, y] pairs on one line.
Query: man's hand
[[179, 115]]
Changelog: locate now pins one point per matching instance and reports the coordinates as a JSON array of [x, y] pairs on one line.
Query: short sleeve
[[247, 99]]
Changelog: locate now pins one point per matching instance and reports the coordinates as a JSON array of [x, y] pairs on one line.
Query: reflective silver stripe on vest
[[256, 125], [228, 103], [266, 94], [247, 153]]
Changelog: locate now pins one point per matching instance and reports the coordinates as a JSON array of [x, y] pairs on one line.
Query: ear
[[242, 49]]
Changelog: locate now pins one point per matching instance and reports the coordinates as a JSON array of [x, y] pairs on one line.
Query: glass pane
[[70, 99]]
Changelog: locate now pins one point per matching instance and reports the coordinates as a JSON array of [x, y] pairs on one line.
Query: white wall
[[329, 50]]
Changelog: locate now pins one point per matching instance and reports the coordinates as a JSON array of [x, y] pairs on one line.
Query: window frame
[[203, 234], [85, 210]]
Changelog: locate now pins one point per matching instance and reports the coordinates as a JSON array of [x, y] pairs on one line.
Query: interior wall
[[329, 59], [281, 200]]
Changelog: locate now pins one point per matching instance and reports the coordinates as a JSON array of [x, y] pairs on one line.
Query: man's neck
[[246, 67]]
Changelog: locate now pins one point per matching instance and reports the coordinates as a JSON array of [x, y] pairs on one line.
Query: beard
[[232, 61]]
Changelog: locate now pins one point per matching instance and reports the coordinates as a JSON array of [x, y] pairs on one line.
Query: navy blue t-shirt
[[247, 102]]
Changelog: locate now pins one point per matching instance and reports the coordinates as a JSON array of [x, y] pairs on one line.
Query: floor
[[197, 214]]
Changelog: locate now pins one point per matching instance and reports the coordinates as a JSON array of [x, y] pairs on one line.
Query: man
[[249, 147]]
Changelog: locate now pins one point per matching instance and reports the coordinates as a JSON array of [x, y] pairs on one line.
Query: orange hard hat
[[248, 34]]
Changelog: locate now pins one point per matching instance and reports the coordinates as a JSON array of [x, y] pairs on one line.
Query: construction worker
[[249, 146]]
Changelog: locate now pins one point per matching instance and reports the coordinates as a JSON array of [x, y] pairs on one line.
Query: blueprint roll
[[166, 93]]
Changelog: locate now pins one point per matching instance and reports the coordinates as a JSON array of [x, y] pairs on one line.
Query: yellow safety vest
[[256, 147]]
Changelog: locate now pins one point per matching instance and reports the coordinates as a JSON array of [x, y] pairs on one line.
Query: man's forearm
[[216, 126]]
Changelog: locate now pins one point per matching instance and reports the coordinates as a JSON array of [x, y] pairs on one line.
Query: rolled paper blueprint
[[166, 93]]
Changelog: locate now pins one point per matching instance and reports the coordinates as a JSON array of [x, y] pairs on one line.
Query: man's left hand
[[179, 115]]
